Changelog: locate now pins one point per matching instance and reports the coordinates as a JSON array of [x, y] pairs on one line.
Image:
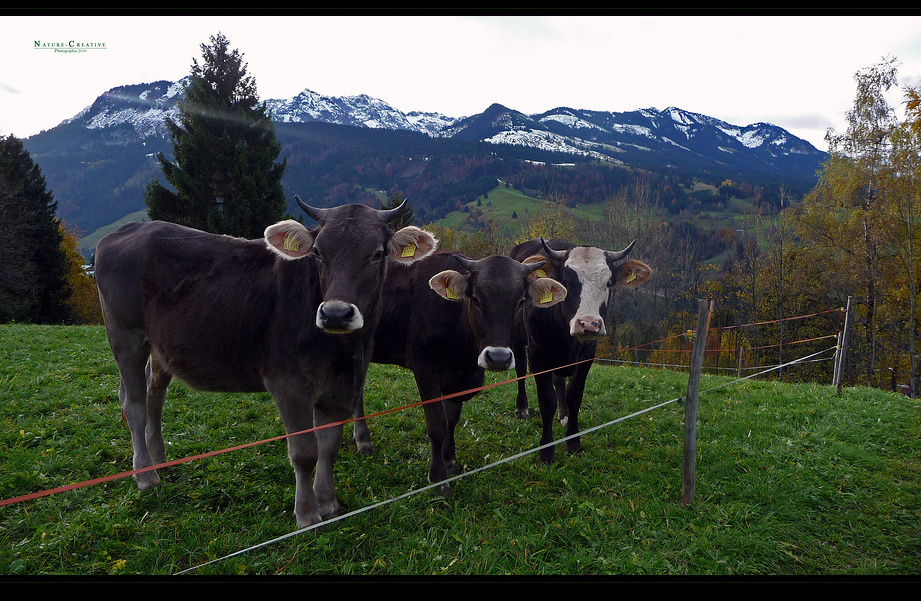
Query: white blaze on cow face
[[594, 273]]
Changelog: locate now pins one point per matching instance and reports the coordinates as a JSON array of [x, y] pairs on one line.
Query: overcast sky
[[793, 71]]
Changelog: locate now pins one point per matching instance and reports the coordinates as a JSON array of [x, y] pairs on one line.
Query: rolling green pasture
[[792, 480]]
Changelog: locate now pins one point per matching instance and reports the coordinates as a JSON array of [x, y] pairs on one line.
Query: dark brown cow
[[292, 314], [569, 332], [449, 339]]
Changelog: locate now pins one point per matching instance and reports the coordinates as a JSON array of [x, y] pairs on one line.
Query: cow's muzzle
[[338, 317], [496, 358], [587, 327]]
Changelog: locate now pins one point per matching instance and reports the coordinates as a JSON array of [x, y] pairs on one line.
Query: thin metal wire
[[481, 469]]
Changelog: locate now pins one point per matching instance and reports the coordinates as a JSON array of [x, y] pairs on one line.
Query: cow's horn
[[390, 214], [470, 264], [313, 212], [558, 255], [530, 268], [617, 256]]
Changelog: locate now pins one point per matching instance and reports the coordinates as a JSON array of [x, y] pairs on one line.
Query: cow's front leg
[[297, 416]]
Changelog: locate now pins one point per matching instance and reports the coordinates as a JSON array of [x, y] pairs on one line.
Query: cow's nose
[[589, 326], [338, 317], [497, 358]]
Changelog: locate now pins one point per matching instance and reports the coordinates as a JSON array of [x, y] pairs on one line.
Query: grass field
[[792, 480]]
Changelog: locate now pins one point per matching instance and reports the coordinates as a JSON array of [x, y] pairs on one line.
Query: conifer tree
[[223, 170], [33, 287]]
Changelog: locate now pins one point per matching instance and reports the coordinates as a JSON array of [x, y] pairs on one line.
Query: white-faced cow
[[292, 314], [568, 333], [451, 338]]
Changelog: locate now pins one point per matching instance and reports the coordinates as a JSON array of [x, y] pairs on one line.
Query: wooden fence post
[[739, 365], [836, 366], [842, 349], [704, 312]]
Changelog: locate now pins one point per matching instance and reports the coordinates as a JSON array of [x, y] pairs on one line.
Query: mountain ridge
[[99, 160]]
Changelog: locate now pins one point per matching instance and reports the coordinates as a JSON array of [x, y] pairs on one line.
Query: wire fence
[[764, 346], [661, 354]]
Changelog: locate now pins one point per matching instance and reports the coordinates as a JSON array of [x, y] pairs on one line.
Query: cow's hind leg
[[361, 434], [328, 440], [559, 384], [131, 356], [574, 392], [436, 425], [547, 401], [449, 451], [521, 370], [158, 380]]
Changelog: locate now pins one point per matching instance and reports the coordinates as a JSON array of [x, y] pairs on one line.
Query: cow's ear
[[410, 244], [289, 239], [632, 273], [545, 270], [546, 292], [449, 284]]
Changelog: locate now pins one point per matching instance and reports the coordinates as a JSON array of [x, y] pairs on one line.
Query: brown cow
[[292, 314], [451, 338]]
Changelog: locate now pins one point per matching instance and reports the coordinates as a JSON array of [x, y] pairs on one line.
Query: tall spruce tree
[[33, 286], [223, 170]]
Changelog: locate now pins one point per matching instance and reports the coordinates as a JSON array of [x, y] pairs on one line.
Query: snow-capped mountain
[[602, 135], [359, 111], [625, 137], [98, 162], [145, 106]]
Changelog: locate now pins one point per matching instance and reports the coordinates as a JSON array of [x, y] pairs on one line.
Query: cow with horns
[[561, 342], [292, 314], [450, 337]]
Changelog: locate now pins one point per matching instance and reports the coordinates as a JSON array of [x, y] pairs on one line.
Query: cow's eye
[[316, 254], [378, 255], [611, 283]]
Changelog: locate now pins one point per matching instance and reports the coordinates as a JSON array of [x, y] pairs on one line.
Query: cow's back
[[203, 302]]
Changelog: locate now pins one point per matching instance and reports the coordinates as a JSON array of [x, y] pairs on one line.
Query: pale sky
[[793, 71]]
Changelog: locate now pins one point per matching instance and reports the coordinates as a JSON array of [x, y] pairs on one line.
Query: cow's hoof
[[307, 521], [147, 480], [331, 509]]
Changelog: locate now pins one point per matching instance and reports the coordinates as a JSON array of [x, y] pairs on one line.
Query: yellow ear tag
[[546, 296], [630, 278], [541, 273], [409, 250], [291, 243], [449, 292]]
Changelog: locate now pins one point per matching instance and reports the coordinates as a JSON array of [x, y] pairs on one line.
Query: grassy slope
[[791, 480]]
